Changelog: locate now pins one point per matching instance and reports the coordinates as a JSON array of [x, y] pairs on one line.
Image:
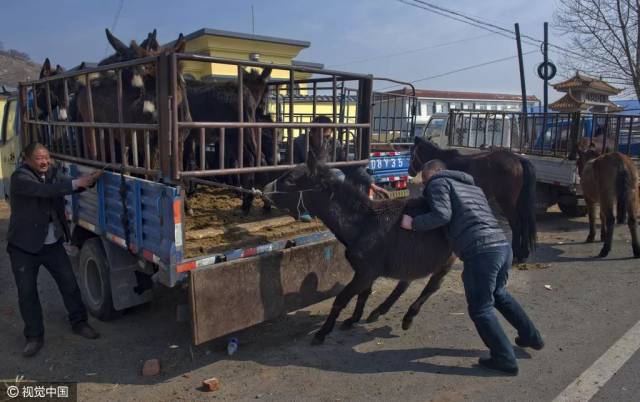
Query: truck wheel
[[94, 280], [573, 210]]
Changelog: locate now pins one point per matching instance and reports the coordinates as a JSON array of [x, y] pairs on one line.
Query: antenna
[[253, 21]]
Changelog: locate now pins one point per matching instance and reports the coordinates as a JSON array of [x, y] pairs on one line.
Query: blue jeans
[[485, 279]]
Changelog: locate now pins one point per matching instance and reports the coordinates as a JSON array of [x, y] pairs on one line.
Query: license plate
[[389, 163], [399, 193]]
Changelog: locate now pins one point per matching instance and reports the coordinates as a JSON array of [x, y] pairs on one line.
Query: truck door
[[8, 145]]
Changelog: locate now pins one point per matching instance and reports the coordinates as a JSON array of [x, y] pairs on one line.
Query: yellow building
[[237, 46]]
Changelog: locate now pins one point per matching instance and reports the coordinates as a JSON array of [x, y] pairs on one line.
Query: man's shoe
[[32, 347], [492, 364], [85, 330], [537, 344]]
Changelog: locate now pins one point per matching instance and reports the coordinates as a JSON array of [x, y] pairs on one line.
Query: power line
[[410, 51], [486, 63], [115, 22], [479, 23]]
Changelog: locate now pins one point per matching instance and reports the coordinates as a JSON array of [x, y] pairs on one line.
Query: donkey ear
[[116, 43], [153, 41], [265, 74], [180, 44], [46, 68], [59, 69]]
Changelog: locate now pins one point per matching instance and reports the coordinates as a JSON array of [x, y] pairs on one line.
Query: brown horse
[[506, 178], [609, 179], [376, 245]]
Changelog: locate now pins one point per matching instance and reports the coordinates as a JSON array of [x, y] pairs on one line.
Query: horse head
[[56, 93], [586, 150], [422, 152]]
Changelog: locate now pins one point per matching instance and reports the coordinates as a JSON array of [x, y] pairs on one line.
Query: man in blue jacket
[[478, 240]]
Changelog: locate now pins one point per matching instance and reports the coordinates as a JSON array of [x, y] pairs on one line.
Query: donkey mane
[[351, 196], [443, 153]]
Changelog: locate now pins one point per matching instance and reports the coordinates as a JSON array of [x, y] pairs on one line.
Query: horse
[[609, 179], [505, 177], [376, 245]]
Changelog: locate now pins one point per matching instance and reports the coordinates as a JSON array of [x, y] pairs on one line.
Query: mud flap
[[238, 294]]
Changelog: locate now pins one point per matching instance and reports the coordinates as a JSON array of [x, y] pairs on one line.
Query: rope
[[124, 219]]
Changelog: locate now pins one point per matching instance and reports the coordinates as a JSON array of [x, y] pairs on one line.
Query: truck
[[130, 234], [549, 141]]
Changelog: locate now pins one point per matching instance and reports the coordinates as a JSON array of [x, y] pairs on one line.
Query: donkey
[[505, 177], [609, 179], [376, 245]]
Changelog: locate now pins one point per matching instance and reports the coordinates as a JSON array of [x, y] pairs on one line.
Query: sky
[[381, 37]]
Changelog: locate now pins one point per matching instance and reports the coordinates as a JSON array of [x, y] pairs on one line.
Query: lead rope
[[124, 219]]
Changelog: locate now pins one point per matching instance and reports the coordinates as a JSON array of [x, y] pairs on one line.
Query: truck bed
[[217, 225]]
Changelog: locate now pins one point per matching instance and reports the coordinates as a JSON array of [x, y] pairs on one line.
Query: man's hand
[[407, 222], [88, 180]]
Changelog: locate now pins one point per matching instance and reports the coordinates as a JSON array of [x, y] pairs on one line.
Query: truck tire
[[572, 210], [94, 280]]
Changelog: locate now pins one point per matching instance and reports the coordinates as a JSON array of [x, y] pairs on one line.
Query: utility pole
[[522, 81], [546, 76]]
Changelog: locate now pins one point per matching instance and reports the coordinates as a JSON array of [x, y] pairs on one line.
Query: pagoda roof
[[584, 81], [568, 102]]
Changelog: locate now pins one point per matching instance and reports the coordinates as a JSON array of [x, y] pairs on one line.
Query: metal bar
[[240, 115], [276, 150], [546, 70], [221, 142], [278, 113], [259, 153], [630, 134], [132, 126], [222, 172], [314, 101], [334, 94], [177, 143], [134, 148], [103, 157], [147, 149], [112, 146], [123, 148], [202, 149], [114, 166], [604, 134], [165, 144], [93, 151], [257, 124], [93, 70], [290, 131], [36, 116]]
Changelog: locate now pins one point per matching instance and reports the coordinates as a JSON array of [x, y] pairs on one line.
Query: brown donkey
[[609, 180]]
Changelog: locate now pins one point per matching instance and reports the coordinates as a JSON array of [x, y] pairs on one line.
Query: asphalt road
[[590, 305]]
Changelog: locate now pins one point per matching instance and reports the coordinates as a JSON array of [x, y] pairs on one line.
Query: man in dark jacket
[[477, 239], [37, 229]]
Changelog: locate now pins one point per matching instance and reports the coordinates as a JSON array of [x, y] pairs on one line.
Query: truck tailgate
[[230, 296]]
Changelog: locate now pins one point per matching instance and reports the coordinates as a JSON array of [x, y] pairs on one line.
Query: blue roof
[[631, 106]]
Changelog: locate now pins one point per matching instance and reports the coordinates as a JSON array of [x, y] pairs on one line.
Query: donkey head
[[586, 151], [56, 92]]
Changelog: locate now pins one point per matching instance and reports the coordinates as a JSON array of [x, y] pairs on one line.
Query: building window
[[438, 107], [419, 109]]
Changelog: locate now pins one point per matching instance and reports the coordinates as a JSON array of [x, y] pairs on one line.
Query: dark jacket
[[456, 202], [33, 201]]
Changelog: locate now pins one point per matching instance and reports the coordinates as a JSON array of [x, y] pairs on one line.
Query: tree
[[604, 36]]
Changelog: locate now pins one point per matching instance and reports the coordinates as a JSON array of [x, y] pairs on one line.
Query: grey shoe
[[495, 365], [537, 343], [32, 347]]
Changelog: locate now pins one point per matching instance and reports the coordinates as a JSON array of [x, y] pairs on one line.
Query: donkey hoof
[[590, 239], [347, 325], [603, 253], [406, 323], [373, 317], [317, 340]]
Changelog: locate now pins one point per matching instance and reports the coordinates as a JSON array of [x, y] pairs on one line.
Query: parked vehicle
[[552, 150], [131, 230]]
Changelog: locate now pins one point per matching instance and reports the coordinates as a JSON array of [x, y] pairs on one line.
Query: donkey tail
[[623, 184], [526, 205]]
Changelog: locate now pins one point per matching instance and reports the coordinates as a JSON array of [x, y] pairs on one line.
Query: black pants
[[25, 268]]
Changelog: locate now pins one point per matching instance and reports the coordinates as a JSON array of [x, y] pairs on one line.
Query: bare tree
[[604, 39]]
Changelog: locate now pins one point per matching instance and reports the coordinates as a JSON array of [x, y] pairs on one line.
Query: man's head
[[37, 157], [326, 132], [430, 168]]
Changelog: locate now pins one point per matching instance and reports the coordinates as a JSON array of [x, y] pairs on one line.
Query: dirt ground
[[580, 305], [220, 209]]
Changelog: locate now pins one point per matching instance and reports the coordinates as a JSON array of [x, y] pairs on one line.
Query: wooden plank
[[249, 227], [235, 295]]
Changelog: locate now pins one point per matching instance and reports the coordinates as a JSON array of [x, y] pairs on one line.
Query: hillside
[[14, 70]]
